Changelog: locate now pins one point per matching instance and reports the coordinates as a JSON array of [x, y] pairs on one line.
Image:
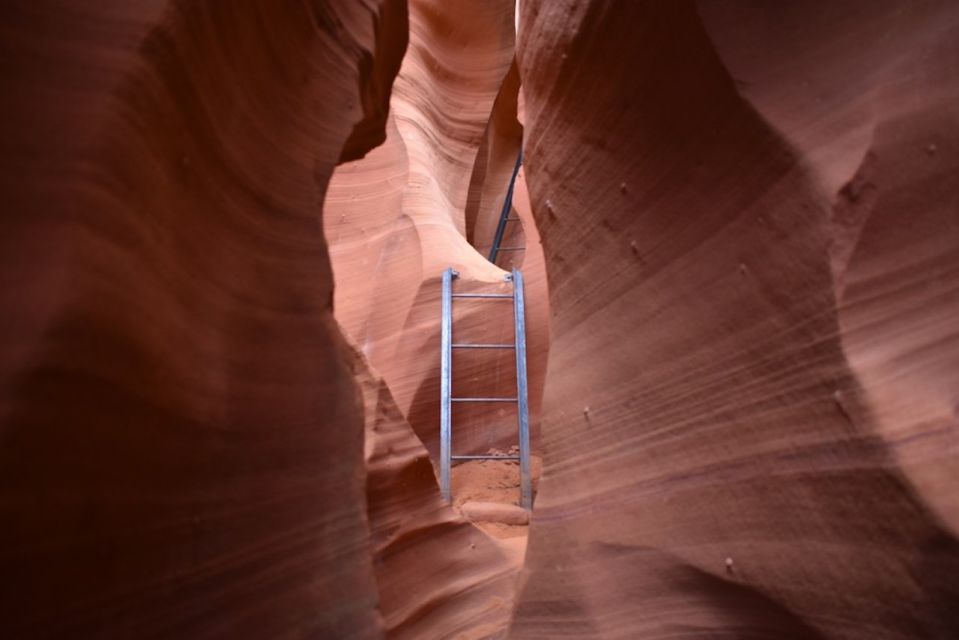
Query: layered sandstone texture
[[397, 218], [180, 434], [438, 575], [750, 222]]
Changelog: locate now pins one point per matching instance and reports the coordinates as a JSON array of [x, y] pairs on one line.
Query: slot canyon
[[222, 256]]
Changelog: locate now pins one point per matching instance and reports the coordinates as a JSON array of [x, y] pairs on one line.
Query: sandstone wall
[[180, 442], [749, 220], [397, 218], [438, 576], [750, 236]]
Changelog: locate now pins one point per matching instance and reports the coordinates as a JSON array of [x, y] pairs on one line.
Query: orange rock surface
[[437, 575], [744, 375], [397, 218], [884, 151], [180, 442], [750, 231]]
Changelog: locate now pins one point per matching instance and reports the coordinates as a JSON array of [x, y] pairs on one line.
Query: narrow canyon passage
[[428, 199], [221, 263]]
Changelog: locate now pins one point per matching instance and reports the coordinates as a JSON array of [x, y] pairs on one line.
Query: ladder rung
[[482, 399], [483, 295], [482, 346], [512, 249], [485, 457]]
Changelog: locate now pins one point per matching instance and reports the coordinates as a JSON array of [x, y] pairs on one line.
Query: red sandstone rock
[[437, 575], [180, 442], [745, 466], [879, 130], [397, 218], [751, 234]]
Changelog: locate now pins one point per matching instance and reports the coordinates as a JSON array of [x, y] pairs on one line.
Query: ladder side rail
[[522, 395], [446, 383]]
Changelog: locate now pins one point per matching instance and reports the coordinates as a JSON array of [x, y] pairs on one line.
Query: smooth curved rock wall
[[397, 218], [749, 234], [181, 450], [437, 575], [879, 129]]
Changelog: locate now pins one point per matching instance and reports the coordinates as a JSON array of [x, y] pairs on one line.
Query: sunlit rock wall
[[397, 218]]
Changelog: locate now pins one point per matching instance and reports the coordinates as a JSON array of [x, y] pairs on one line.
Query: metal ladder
[[504, 216], [446, 384]]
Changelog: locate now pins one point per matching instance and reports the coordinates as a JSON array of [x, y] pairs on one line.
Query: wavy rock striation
[[884, 150], [438, 576], [397, 218], [748, 216], [751, 241], [181, 451]]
